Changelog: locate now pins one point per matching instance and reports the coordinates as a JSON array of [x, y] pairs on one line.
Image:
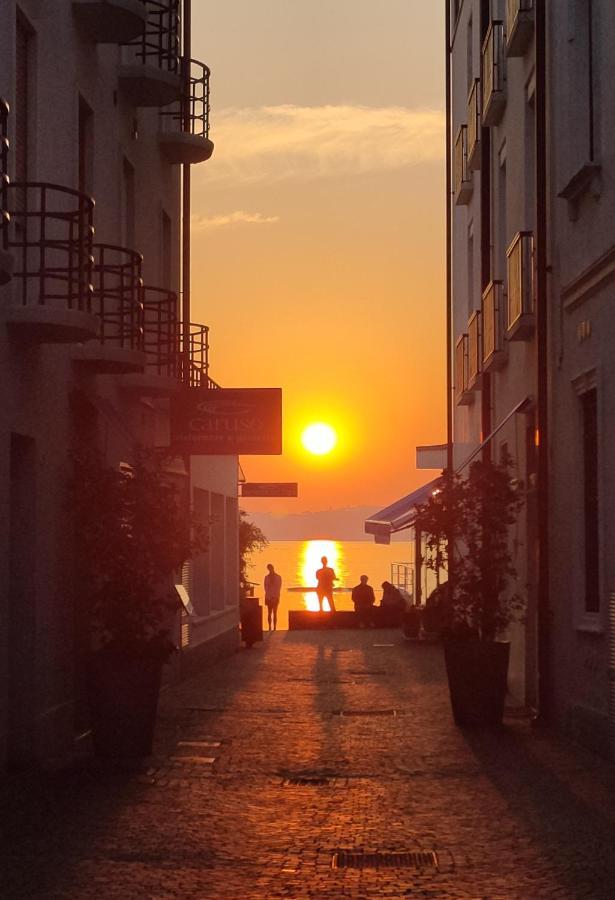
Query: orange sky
[[318, 233]]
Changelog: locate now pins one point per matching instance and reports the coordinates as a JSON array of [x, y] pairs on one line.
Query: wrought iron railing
[[493, 331], [191, 111], [159, 45], [475, 349], [461, 368], [160, 331], [520, 268], [117, 299], [50, 236], [463, 176], [193, 343], [4, 174], [493, 74], [474, 125]]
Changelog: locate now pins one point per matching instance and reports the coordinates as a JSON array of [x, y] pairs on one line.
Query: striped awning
[[399, 515]]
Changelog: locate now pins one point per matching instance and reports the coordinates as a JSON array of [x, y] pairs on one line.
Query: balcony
[[463, 394], [118, 305], [186, 138], [50, 239], [150, 75], [519, 26], [520, 264], [462, 173], [494, 80], [110, 21], [160, 376], [494, 346], [475, 350], [474, 125], [6, 259]]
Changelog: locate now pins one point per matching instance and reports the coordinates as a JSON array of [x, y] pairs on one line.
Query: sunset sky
[[318, 233]]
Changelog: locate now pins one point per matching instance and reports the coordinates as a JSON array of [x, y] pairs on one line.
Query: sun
[[319, 438]]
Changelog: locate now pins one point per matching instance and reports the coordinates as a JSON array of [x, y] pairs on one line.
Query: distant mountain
[[328, 524]]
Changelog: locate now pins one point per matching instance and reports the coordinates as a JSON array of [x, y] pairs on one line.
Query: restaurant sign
[[270, 489], [227, 421]]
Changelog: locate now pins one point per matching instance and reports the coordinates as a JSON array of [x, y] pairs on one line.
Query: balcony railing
[[462, 173], [50, 239], [186, 140], [494, 352], [117, 300], [6, 260], [494, 80], [520, 266], [193, 341], [160, 332], [152, 76], [519, 26], [110, 21], [474, 124], [475, 350], [463, 394]]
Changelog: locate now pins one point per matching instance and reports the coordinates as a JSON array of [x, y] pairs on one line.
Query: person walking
[[364, 599], [324, 588], [273, 588]]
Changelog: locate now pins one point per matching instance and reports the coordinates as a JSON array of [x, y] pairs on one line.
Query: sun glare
[[319, 438]]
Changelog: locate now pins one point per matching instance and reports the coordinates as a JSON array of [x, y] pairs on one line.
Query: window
[[86, 147], [165, 256], [128, 178], [589, 416], [470, 272], [500, 220], [22, 155]]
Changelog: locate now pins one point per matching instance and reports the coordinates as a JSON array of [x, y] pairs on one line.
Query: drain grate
[[404, 859], [307, 781], [348, 713]]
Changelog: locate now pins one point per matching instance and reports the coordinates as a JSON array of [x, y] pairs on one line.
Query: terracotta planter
[[123, 696], [477, 679]]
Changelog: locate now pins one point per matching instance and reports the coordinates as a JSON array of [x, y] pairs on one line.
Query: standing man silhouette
[[325, 578], [273, 588]]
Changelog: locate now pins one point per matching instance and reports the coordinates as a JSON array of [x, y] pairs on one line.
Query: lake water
[[297, 562]]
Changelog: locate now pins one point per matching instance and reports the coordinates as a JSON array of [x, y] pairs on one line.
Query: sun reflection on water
[[310, 561]]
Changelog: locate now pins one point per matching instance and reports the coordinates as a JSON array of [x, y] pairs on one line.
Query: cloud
[[208, 223], [273, 143]]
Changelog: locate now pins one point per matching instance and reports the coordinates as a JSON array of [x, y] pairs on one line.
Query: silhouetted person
[[391, 597], [273, 587], [363, 598], [392, 605], [324, 588]]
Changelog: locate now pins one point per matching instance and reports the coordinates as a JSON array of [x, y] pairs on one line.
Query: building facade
[[581, 159], [102, 114], [492, 222]]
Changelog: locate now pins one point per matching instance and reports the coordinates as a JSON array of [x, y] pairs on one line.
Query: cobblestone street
[[262, 773]]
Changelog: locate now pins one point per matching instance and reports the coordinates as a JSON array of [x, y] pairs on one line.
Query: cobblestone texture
[[511, 813]]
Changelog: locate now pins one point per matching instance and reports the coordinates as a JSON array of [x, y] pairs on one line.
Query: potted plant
[[133, 532], [466, 523]]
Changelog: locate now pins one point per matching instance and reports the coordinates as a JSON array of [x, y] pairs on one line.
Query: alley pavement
[[318, 765]]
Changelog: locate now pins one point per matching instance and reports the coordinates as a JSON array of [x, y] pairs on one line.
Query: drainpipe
[[186, 199], [485, 237], [449, 291], [543, 611]]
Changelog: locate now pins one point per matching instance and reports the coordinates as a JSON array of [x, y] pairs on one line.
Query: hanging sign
[[273, 489], [227, 421]]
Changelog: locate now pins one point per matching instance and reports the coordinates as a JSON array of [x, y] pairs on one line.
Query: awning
[[399, 515], [521, 407]]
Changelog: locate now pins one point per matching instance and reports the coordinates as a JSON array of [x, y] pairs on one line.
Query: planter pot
[[123, 697], [411, 622], [477, 678]]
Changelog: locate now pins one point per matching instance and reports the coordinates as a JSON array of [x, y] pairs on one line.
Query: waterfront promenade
[[308, 745]]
